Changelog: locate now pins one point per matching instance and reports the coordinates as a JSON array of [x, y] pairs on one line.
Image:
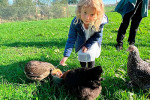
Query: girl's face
[[88, 15]]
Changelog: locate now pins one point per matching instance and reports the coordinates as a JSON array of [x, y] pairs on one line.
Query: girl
[[86, 32]]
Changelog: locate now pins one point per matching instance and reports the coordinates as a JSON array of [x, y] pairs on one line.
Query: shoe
[[119, 46]]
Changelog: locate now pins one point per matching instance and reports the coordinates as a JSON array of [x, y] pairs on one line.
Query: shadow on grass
[[14, 73], [114, 31], [113, 87], [37, 44], [50, 91], [109, 44], [113, 44]]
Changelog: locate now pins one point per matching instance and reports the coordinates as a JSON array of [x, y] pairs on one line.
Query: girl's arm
[[69, 44], [62, 62], [71, 39]]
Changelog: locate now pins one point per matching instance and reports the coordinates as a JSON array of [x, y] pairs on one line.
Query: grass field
[[45, 40]]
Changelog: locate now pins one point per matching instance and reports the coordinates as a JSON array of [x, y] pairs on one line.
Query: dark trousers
[[135, 17], [90, 64]]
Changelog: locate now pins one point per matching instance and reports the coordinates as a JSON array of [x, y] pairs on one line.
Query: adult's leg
[[91, 64], [136, 19], [83, 64], [123, 27]]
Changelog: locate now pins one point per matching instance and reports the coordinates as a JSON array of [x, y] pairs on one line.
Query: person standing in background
[[133, 10]]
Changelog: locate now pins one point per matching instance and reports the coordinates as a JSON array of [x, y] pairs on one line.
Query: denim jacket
[[76, 36]]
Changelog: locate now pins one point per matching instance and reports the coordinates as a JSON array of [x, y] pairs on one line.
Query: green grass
[[45, 40]]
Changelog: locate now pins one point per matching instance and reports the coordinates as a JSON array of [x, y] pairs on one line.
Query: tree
[[5, 10], [3, 3], [23, 8]]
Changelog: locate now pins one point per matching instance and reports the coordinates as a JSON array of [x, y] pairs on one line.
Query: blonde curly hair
[[97, 5]]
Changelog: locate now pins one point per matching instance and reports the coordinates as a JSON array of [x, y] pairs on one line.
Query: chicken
[[137, 69], [37, 70], [57, 72], [85, 83]]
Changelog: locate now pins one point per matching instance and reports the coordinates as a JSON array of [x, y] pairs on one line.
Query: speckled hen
[[37, 70], [137, 69]]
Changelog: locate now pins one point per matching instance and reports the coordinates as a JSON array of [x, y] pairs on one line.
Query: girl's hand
[[84, 49], [62, 62]]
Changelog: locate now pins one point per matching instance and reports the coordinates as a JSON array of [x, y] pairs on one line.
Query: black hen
[[84, 83], [137, 69]]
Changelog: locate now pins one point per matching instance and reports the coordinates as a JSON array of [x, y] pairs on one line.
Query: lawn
[[45, 40]]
